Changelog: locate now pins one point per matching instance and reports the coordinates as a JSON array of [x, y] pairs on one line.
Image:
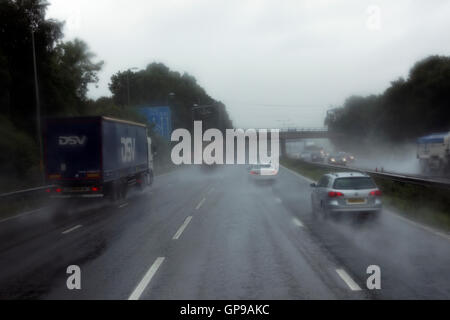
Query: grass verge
[[426, 205]]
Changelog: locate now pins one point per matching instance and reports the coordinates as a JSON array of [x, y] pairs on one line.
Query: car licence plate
[[356, 200], [76, 189]]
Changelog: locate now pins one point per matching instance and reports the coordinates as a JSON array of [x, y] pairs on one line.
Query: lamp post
[[38, 105]]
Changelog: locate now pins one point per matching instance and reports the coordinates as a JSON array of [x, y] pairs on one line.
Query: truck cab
[[433, 152]]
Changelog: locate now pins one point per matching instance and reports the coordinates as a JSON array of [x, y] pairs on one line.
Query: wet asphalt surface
[[234, 239]]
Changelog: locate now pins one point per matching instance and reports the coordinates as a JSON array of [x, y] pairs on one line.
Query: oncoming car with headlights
[[342, 192], [339, 158]]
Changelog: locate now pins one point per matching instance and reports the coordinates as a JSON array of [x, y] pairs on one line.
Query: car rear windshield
[[356, 183]]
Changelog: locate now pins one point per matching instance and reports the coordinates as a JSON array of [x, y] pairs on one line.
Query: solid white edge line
[[297, 222], [181, 229], [298, 174], [200, 204], [123, 205], [137, 292], [20, 215], [72, 229], [348, 280], [418, 225]]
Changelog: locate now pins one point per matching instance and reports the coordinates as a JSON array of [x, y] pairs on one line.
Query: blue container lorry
[[96, 157]]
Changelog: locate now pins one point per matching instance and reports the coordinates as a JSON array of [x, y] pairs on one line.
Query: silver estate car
[[353, 192]]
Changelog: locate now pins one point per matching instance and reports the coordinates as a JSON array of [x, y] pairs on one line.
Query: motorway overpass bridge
[[299, 134]]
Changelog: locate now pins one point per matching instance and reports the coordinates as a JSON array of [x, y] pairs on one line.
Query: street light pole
[[38, 108]]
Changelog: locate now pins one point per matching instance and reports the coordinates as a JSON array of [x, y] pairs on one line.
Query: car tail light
[[334, 194], [253, 172], [48, 190], [376, 193], [94, 189], [59, 190]]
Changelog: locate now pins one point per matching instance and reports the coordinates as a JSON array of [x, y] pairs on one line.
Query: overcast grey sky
[[273, 63]]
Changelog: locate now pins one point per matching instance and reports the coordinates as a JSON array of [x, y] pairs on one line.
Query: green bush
[[19, 157]]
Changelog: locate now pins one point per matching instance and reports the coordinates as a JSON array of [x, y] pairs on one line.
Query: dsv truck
[[96, 157], [433, 152]]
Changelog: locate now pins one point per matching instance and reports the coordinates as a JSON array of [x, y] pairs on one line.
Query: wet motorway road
[[213, 234]]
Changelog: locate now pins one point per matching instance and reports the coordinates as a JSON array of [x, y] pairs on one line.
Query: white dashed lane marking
[[348, 280], [72, 229], [146, 279], [297, 222], [181, 229], [200, 204]]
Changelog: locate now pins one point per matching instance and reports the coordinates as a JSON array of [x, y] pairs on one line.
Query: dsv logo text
[[71, 140], [128, 149]]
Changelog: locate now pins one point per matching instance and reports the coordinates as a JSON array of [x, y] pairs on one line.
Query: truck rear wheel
[[113, 191], [146, 180], [123, 190]]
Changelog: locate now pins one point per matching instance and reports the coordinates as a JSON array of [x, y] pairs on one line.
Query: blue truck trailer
[[96, 157]]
